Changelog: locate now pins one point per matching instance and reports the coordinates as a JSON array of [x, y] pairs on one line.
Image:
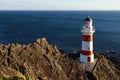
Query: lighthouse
[[87, 55]]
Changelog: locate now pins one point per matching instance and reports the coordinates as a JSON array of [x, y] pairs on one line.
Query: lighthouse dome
[[88, 22], [88, 19]]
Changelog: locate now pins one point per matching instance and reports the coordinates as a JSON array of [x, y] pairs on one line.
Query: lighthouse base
[[87, 59]]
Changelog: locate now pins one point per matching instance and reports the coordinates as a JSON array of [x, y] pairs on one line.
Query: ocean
[[61, 28]]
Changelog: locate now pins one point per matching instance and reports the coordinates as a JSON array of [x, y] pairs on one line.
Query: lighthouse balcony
[[93, 29], [88, 30]]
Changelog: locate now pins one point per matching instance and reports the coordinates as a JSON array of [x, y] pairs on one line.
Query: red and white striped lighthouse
[[87, 55]]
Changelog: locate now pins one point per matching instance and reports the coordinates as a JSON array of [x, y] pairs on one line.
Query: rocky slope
[[106, 70], [41, 61]]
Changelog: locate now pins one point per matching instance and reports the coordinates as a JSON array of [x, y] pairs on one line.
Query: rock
[[105, 70], [38, 60], [41, 61]]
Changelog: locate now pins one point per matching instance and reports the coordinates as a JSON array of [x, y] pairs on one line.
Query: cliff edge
[[41, 61]]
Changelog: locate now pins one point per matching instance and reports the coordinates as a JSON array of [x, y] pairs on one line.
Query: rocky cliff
[[41, 61]]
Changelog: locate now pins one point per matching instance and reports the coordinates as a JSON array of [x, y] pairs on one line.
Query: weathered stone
[[41, 61]]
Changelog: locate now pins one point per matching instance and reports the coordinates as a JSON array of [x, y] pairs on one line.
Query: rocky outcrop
[[41, 61], [105, 70], [38, 60]]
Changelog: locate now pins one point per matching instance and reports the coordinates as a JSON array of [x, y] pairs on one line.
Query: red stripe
[[87, 52], [87, 37]]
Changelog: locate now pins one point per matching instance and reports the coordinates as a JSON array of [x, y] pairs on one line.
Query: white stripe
[[87, 46], [84, 58]]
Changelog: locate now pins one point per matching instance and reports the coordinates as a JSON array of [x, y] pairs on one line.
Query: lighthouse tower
[[87, 55]]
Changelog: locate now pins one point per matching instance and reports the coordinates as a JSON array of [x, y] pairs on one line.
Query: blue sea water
[[61, 28]]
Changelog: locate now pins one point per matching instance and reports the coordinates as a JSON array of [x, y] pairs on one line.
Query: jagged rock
[[41, 61], [105, 70], [38, 60]]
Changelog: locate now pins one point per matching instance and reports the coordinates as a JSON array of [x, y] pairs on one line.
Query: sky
[[59, 4]]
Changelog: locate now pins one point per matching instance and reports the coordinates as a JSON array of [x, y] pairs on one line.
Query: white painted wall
[[84, 58], [87, 46]]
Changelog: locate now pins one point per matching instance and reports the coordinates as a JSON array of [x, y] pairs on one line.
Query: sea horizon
[[56, 10]]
